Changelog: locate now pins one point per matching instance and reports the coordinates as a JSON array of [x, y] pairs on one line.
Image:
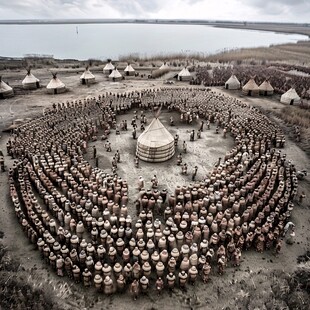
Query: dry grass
[[296, 116]]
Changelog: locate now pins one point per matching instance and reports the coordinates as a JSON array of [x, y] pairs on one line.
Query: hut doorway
[[250, 93], [226, 86], [55, 91], [265, 93], [127, 72], [292, 102], [1, 96], [83, 81], [38, 84]]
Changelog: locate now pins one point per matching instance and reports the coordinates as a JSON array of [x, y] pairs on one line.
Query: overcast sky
[[250, 10]]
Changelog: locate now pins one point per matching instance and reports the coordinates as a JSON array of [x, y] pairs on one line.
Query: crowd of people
[[280, 78], [80, 218]]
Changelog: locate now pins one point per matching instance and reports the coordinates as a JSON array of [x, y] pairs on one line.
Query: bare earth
[[261, 278]]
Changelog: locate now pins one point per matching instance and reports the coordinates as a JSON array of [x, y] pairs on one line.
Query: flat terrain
[[260, 278]]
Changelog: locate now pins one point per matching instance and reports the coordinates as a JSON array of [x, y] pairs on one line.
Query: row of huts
[[265, 89]]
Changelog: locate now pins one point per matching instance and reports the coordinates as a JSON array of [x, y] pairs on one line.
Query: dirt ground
[[263, 281]]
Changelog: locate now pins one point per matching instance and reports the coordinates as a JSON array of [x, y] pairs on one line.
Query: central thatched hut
[[156, 143], [232, 83], [30, 81]]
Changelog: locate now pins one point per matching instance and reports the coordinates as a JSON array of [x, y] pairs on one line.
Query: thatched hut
[[87, 77], [290, 97], [129, 70], [115, 75], [6, 91], [250, 88], [184, 75], [156, 143], [232, 83], [164, 66], [30, 81], [265, 89], [108, 68], [55, 86]]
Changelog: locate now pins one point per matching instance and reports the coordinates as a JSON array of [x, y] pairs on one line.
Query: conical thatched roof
[[266, 89], [156, 143], [109, 66], [55, 86], [250, 88], [5, 89], [164, 66], [115, 74], [232, 83], [290, 97], [30, 79], [129, 68], [87, 75], [184, 72]]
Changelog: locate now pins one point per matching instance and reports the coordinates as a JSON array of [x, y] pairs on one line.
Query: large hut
[[115, 75], [108, 68], [184, 75], [156, 143], [129, 70], [232, 83], [55, 86], [265, 89], [6, 91], [250, 88], [30, 81], [290, 97], [87, 77]]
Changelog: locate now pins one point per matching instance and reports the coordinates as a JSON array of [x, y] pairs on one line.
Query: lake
[[102, 41]]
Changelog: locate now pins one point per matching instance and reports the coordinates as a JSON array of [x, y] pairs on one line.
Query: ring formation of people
[[79, 217]]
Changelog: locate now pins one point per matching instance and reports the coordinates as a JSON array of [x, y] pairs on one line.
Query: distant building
[[184, 75], [30, 81], [108, 68], [55, 86], [232, 83], [87, 77], [129, 70], [6, 91], [290, 97], [250, 88], [115, 75], [265, 89]]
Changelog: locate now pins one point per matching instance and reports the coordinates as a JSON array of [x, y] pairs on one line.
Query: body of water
[[102, 41]]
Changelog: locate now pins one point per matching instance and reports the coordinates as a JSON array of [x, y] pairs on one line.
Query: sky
[[297, 11]]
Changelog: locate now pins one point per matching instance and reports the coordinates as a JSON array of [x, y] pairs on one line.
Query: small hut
[[129, 70], [232, 83], [108, 68], [164, 66], [250, 88], [55, 86], [115, 75], [87, 77], [156, 143], [6, 91], [30, 81], [265, 89], [290, 97], [184, 75]]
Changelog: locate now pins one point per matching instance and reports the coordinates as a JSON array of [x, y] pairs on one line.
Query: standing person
[[94, 152], [2, 162], [134, 133], [154, 181], [179, 162], [118, 156], [184, 147], [194, 173]]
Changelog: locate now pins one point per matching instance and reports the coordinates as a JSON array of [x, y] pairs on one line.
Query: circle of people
[[80, 219]]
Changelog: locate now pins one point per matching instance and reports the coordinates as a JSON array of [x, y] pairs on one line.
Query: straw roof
[[5, 88], [164, 66], [290, 96], [87, 75], [129, 68], [156, 143], [55, 83], [108, 66], [266, 86], [232, 83], [30, 79], [115, 74], [251, 85], [184, 72]]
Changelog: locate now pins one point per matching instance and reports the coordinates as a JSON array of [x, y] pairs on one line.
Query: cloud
[[251, 10]]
